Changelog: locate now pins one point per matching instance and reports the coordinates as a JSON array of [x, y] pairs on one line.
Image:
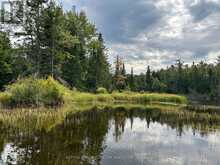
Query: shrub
[[101, 91], [158, 86], [4, 99], [33, 92], [52, 93]]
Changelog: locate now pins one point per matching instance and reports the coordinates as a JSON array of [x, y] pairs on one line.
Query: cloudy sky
[[156, 32]]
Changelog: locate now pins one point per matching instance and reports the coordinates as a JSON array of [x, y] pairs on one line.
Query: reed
[[30, 120], [32, 92], [131, 97]]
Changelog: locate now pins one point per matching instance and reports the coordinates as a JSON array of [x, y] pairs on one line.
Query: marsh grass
[[130, 97], [36, 104], [32, 92], [30, 120]]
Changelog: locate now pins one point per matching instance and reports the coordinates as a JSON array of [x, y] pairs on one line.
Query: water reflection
[[116, 137]]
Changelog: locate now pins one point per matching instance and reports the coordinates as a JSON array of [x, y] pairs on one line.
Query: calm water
[[116, 138]]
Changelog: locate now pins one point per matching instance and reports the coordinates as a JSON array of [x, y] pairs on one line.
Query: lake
[[116, 137]]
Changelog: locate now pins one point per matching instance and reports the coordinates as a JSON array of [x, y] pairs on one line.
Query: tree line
[[66, 46], [55, 43], [200, 79]]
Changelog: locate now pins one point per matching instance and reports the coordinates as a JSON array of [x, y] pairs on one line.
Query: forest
[[67, 46], [66, 99]]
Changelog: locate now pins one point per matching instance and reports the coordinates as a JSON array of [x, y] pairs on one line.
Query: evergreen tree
[[119, 78], [132, 81], [123, 72], [50, 39], [117, 66], [66, 45], [179, 83], [6, 71], [148, 79], [81, 33], [98, 69], [158, 86], [32, 33]]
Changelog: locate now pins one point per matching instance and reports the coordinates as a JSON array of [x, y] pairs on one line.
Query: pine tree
[[123, 72], [131, 80], [148, 79], [117, 66], [179, 79], [78, 37], [32, 29], [6, 71], [119, 78], [50, 38], [98, 69]]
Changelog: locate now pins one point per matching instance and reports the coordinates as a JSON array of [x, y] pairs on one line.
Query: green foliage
[[6, 70], [129, 97], [148, 79], [149, 98], [5, 99], [131, 81], [98, 68], [201, 78], [66, 45], [120, 75], [158, 86], [28, 120], [101, 90], [60, 44], [33, 92]]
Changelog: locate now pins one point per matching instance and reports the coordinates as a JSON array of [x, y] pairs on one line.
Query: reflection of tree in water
[[80, 139], [120, 119], [183, 120], [180, 121]]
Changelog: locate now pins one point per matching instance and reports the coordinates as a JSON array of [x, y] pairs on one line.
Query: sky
[[155, 32]]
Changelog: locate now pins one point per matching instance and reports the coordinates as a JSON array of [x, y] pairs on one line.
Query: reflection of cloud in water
[[160, 144], [9, 155], [214, 139]]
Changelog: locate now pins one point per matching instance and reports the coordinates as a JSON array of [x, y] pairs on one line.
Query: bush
[[101, 91], [52, 93], [4, 99], [33, 92], [158, 86]]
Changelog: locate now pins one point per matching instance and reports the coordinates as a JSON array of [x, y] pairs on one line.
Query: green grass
[[30, 120], [32, 92], [20, 109], [130, 97]]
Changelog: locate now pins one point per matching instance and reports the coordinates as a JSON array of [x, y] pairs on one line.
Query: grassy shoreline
[[32, 92], [129, 97], [55, 105], [45, 103], [29, 120]]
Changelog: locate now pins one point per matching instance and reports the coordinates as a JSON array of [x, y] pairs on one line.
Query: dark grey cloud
[[203, 9], [156, 32], [121, 20]]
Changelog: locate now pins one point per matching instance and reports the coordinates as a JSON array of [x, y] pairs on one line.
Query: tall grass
[[32, 92], [29, 120], [130, 97]]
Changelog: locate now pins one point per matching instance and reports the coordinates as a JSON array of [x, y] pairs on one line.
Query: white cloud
[[212, 56], [156, 32]]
